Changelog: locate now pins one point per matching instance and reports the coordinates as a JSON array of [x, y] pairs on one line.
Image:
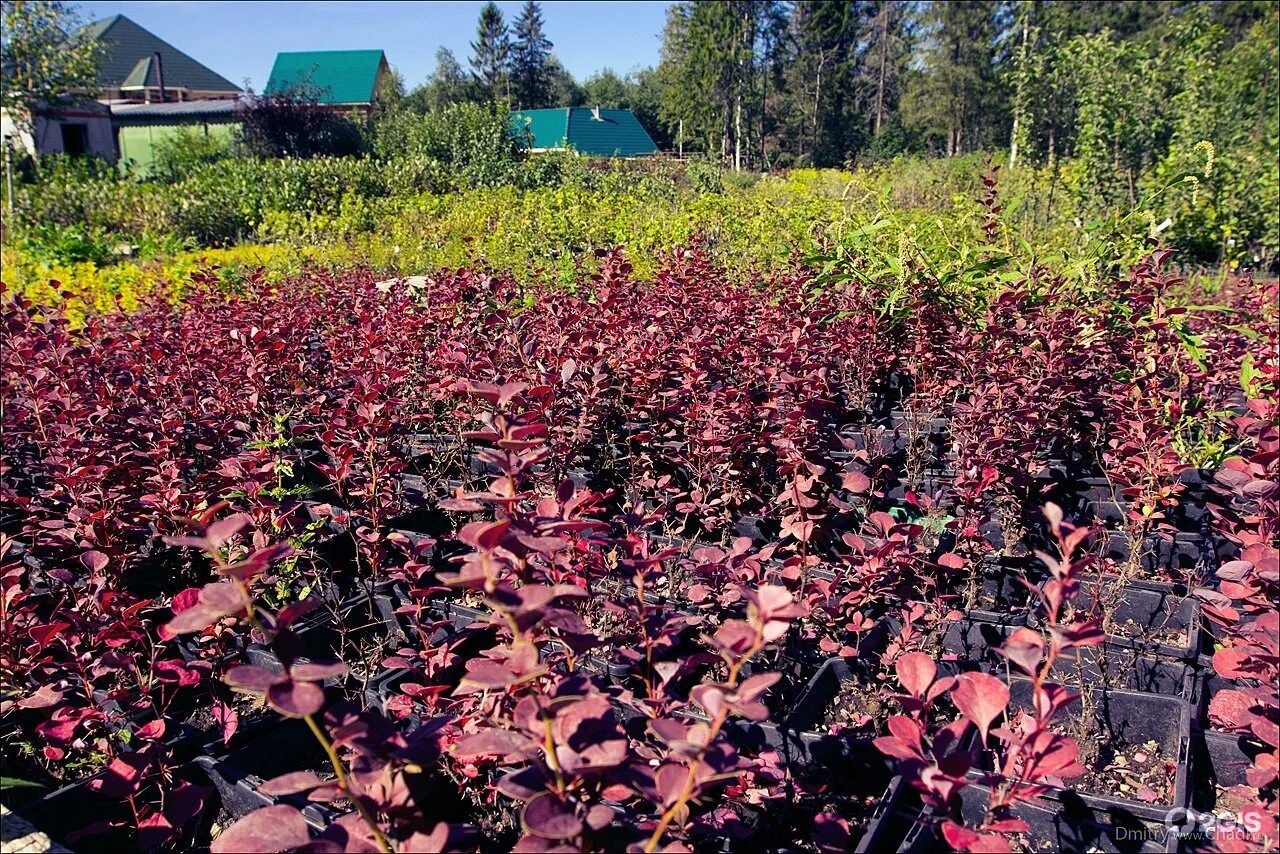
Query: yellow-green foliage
[[125, 284], [903, 221]]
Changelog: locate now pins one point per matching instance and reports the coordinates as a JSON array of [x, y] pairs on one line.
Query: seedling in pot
[[1023, 759]]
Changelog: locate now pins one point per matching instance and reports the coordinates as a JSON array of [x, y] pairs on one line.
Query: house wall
[[137, 142], [48, 133]]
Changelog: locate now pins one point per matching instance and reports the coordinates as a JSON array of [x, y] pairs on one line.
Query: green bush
[[186, 150], [463, 146], [52, 243]]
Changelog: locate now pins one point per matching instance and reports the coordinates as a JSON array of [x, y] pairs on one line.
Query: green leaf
[[1249, 376], [10, 783]]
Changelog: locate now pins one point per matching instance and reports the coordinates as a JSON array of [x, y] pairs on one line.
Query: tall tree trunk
[[1019, 99], [817, 99], [737, 134], [884, 60]]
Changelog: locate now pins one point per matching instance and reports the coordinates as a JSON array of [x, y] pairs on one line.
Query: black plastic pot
[[383, 687], [802, 740], [1150, 610], [238, 775], [1003, 581], [1136, 718], [758, 528], [1113, 668], [1179, 558], [895, 808], [1064, 826], [1224, 757], [320, 637], [1101, 503]]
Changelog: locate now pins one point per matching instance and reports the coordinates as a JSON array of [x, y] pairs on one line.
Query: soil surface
[[857, 708], [1139, 772], [1172, 636]]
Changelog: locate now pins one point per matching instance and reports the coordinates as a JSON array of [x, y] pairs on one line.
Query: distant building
[[139, 66], [588, 130], [345, 79], [80, 128]]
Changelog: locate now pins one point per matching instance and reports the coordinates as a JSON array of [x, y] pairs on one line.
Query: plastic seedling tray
[[801, 733], [1152, 613], [1055, 827], [974, 644], [1223, 759], [1003, 583], [1135, 719], [238, 775], [1102, 501], [1178, 557]]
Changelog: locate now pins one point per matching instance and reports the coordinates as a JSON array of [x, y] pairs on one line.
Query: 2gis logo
[[1190, 823]]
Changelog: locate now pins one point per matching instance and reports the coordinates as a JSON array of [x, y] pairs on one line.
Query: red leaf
[[293, 783], [224, 529], [268, 830], [547, 816], [153, 731], [256, 680], [491, 742], [1231, 708], [184, 600], [981, 698], [228, 718], [296, 699], [1228, 662], [855, 481], [916, 672], [1025, 650], [317, 671], [43, 698], [194, 619]]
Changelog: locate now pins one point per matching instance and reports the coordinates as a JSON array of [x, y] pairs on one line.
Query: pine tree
[[957, 98], [531, 60], [491, 54], [711, 74], [823, 116], [887, 53]]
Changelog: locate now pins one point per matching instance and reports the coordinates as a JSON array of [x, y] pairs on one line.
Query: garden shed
[[139, 127], [587, 130]]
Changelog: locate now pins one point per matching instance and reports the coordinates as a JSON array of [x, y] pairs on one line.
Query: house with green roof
[[137, 65], [351, 79], [587, 130], [138, 69]]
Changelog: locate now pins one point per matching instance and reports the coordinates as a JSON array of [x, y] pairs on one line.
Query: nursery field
[[705, 559]]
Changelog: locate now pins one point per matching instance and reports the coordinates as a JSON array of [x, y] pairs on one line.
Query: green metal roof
[[128, 59], [615, 133], [341, 76]]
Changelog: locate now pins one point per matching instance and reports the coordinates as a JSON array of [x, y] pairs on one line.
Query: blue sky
[[240, 39]]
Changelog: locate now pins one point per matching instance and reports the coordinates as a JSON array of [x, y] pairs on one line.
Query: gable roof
[[341, 76], [128, 59], [614, 133]]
